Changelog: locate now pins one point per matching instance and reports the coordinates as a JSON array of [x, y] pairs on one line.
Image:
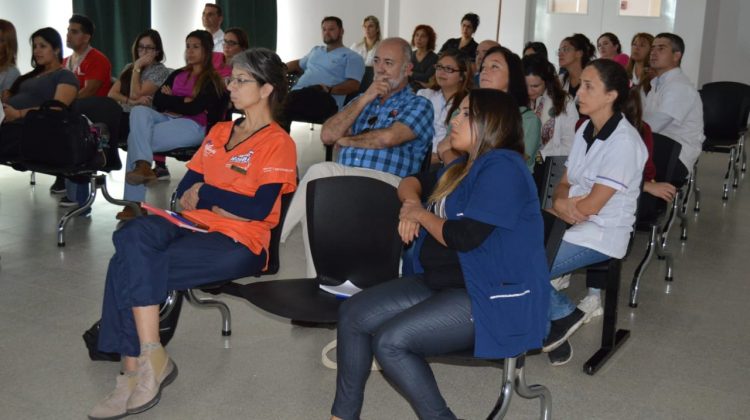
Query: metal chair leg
[[695, 189], [634, 286], [742, 155], [226, 316], [728, 175], [73, 213], [503, 401], [673, 211], [534, 391], [168, 305], [664, 255], [32, 178]]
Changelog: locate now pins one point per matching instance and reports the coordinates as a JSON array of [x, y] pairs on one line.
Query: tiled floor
[[686, 359]]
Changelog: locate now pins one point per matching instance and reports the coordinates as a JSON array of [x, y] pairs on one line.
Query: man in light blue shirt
[[330, 72]]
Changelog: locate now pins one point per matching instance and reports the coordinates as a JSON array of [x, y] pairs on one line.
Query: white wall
[[174, 19], [45, 13], [299, 23], [726, 52], [445, 18]]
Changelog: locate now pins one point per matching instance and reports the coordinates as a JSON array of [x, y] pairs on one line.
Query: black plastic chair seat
[[300, 299], [183, 154]]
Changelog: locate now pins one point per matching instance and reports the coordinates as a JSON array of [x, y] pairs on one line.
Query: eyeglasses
[[146, 48], [563, 50], [231, 43], [229, 80], [449, 70]]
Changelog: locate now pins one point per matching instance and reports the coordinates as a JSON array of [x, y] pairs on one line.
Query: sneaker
[[58, 187], [114, 405], [591, 305], [562, 329], [66, 202], [150, 383], [561, 355], [561, 282], [141, 174], [161, 172]]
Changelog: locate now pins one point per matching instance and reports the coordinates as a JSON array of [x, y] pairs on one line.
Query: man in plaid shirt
[[385, 133]]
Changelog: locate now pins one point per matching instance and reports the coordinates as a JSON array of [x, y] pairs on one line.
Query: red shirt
[[94, 66], [266, 157]]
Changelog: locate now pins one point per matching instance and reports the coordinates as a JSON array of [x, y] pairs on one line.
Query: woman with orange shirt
[[233, 187]]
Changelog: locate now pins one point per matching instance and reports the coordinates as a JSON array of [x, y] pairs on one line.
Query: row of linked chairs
[[343, 248]]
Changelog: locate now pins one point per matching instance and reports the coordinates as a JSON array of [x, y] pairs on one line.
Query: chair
[[174, 296], [652, 210], [726, 106], [343, 247], [604, 275], [552, 172]]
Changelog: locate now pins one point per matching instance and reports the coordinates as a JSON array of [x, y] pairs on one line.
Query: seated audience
[[48, 80], [423, 58], [598, 192], [639, 69], [138, 82], [466, 43], [555, 108], [609, 47], [238, 201], [188, 103], [453, 80], [330, 73], [502, 70], [536, 48], [673, 107], [235, 41], [94, 72], [482, 218], [574, 53], [366, 47], [384, 133], [8, 54], [212, 17]]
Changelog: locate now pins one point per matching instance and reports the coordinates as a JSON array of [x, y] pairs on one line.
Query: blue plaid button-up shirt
[[402, 160]]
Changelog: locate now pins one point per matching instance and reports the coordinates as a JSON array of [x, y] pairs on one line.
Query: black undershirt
[[442, 268]]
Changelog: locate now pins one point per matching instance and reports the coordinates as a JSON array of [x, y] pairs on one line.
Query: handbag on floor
[[167, 327], [56, 135]]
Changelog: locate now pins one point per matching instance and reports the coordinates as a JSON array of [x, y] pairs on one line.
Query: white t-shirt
[[672, 94], [440, 111], [219, 41], [616, 162], [361, 49]]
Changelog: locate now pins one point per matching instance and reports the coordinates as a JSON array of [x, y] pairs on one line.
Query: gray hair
[[403, 44], [265, 67]]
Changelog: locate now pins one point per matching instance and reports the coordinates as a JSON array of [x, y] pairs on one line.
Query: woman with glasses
[[138, 83], [232, 187], [235, 41], [453, 79], [574, 53], [185, 107], [501, 69], [423, 57]]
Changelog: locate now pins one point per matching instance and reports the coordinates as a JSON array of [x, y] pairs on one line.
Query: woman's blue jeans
[[399, 322], [569, 258]]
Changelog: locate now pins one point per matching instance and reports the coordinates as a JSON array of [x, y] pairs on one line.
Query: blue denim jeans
[[399, 322], [569, 258], [152, 131]]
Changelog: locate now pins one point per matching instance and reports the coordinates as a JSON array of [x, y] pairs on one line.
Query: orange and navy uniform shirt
[[267, 157]]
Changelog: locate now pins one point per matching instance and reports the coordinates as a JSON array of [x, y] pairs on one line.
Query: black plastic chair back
[[554, 229], [666, 156], [726, 106], [554, 169], [353, 229]]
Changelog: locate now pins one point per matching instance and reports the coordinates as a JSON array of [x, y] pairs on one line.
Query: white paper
[[345, 289]]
